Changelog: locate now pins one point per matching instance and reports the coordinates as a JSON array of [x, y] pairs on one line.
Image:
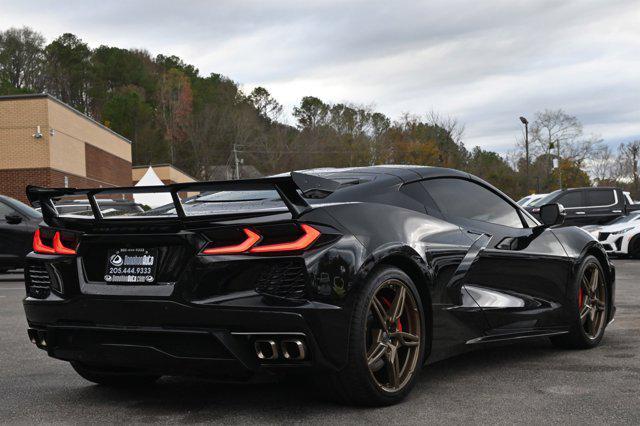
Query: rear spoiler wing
[[287, 187]]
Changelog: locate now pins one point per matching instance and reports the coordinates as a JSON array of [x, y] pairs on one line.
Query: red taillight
[[310, 236], [58, 246], [252, 238], [39, 246]]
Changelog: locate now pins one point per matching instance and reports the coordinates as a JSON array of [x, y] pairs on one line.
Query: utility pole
[[526, 149], [559, 166], [634, 150], [236, 163]]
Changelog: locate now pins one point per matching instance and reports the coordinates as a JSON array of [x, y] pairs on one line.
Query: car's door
[[602, 205], [456, 317], [517, 270], [12, 236]]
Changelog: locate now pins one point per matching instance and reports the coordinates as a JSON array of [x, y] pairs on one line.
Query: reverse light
[[252, 238], [58, 245], [249, 245], [309, 237]]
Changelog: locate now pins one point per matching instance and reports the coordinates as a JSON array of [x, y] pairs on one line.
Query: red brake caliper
[[580, 298], [399, 324]]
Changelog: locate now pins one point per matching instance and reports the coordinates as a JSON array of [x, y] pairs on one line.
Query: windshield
[[624, 219], [546, 199], [523, 201]]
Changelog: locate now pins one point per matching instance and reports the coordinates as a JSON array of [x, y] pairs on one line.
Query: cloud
[[484, 62]]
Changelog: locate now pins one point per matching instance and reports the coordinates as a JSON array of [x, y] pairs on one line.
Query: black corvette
[[361, 275]]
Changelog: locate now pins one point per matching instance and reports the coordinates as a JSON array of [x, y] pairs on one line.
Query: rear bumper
[[170, 337]]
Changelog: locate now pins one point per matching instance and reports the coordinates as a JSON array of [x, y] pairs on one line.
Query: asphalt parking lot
[[530, 382]]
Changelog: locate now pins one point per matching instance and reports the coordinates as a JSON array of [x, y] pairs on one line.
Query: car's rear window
[[229, 202]]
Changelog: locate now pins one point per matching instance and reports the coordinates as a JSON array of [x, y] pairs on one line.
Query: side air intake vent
[[37, 280], [286, 279]]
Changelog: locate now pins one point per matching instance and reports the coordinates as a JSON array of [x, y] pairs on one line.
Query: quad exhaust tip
[[288, 349], [266, 349], [294, 349], [38, 337]]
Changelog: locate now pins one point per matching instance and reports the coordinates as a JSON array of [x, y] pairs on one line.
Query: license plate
[[131, 266]]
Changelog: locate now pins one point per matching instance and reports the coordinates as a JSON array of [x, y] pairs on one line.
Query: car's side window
[[468, 200], [416, 191], [5, 210], [600, 197], [571, 199]]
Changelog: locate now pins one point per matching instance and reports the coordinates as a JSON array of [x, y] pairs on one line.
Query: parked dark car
[[588, 206], [107, 207], [18, 222], [360, 276]]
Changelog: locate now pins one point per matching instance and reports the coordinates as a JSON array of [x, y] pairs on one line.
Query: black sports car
[[18, 222], [362, 275]]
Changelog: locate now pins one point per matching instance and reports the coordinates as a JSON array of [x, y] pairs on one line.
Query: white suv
[[622, 236]]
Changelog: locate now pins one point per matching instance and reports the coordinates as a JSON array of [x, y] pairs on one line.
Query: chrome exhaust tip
[[294, 349], [266, 349]]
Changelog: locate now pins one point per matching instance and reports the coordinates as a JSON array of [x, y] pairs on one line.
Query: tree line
[[173, 114]]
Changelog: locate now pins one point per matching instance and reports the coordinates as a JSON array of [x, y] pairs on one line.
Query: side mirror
[[13, 219], [552, 214]]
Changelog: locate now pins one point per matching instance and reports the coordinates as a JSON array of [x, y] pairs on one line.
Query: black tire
[[577, 338], [110, 376], [634, 247], [355, 385]]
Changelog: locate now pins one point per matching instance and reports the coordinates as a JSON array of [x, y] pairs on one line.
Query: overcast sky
[[485, 62]]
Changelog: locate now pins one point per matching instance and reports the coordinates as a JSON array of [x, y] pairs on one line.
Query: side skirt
[[506, 337]]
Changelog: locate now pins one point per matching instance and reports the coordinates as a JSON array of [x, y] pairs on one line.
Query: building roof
[[139, 170], [58, 101]]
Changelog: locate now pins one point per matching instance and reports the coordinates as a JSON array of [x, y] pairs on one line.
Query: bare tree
[[175, 106], [556, 132], [603, 165], [629, 157], [453, 127]]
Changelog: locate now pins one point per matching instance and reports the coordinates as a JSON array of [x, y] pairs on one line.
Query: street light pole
[[559, 166], [526, 148]]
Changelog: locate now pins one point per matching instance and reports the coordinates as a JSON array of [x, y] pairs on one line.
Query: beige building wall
[[18, 123], [74, 150], [71, 131]]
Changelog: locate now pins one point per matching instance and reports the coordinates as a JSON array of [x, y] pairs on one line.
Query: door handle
[[616, 211], [580, 213]]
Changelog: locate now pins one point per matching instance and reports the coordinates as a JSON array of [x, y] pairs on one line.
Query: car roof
[[589, 187], [407, 173]]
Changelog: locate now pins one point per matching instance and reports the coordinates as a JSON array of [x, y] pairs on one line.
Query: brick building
[[45, 142], [166, 172]]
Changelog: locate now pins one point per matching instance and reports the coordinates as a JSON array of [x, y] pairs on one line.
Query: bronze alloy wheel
[[392, 335], [592, 301]]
